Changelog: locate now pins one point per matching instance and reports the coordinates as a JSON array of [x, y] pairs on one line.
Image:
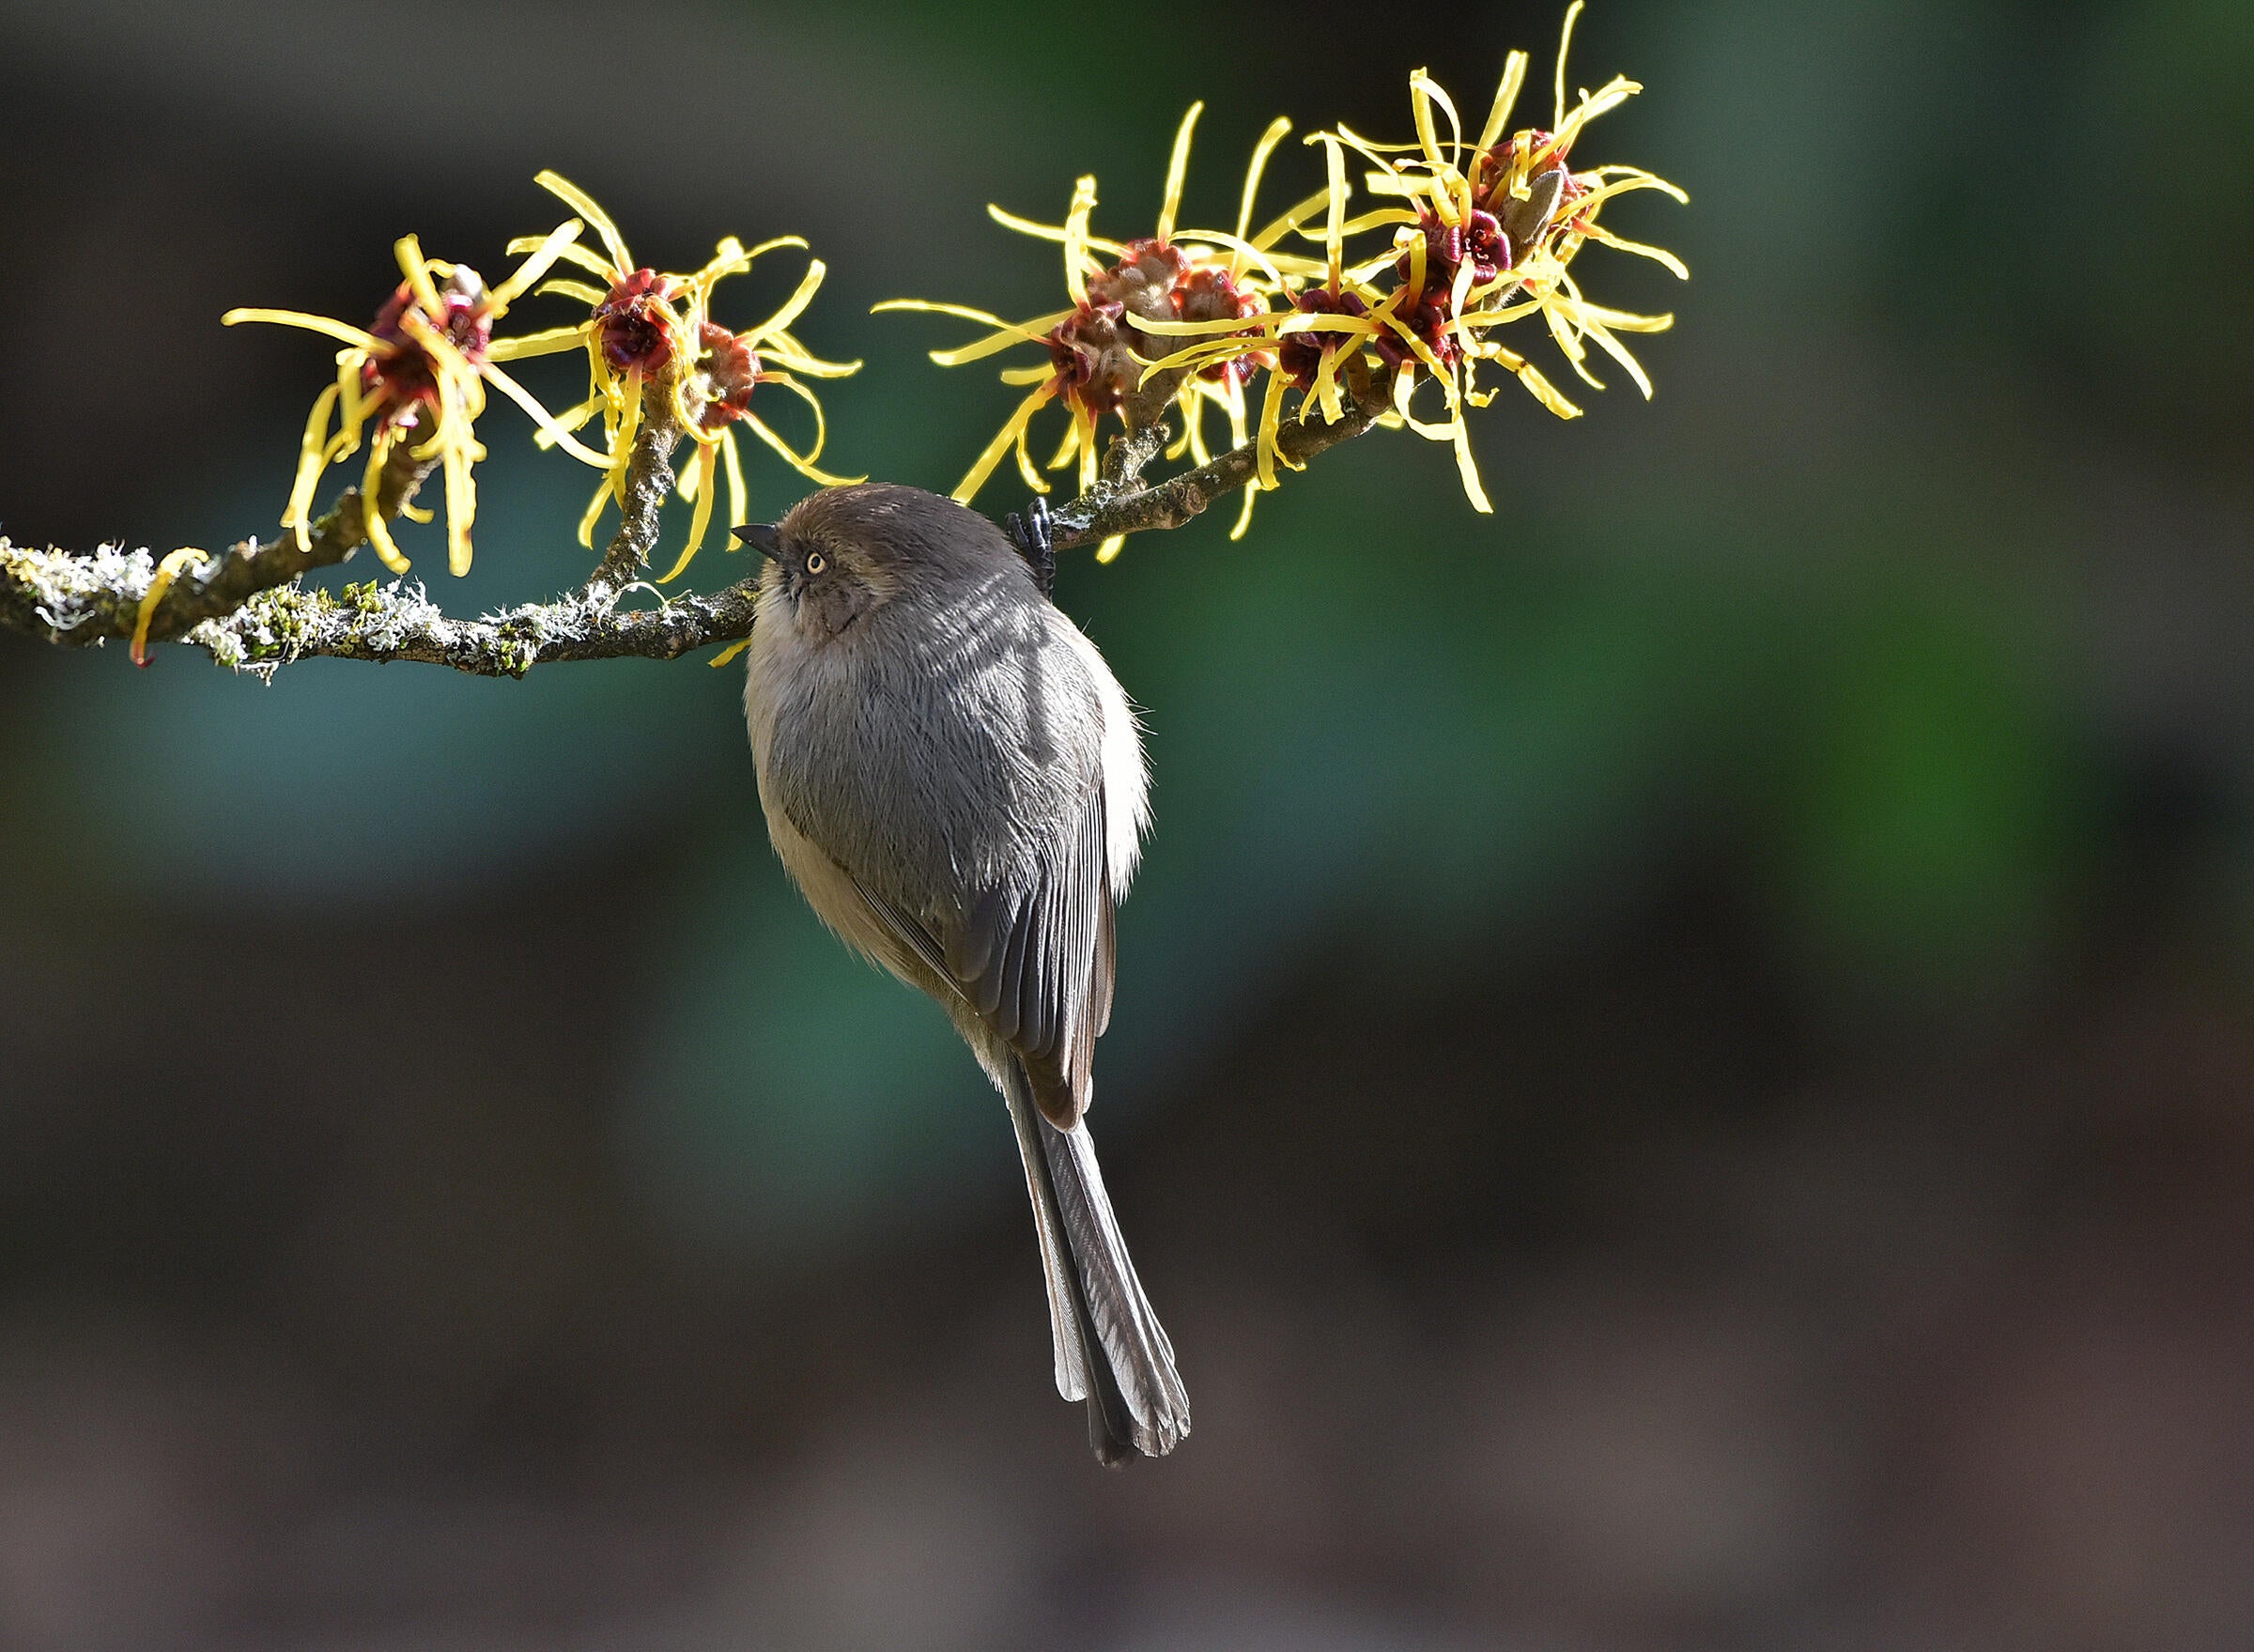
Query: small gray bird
[[952, 778]]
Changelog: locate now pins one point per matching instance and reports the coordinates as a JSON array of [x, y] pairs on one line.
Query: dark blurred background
[[1682, 1072]]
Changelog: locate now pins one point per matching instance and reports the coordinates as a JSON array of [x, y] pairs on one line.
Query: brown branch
[[649, 479], [249, 611], [1143, 413], [1097, 515], [81, 600], [400, 622]]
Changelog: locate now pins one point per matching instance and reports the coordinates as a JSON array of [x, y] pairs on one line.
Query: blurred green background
[[1681, 1073]]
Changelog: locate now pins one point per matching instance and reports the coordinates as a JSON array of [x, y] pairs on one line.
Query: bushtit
[[952, 778]]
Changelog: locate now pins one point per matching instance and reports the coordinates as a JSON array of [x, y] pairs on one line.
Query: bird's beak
[[761, 537]]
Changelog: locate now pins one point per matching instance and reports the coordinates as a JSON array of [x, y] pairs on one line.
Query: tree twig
[[1096, 517], [649, 479]]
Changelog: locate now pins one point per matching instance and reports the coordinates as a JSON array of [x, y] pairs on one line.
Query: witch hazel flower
[[1480, 232], [1487, 231], [650, 339], [1314, 344], [714, 397], [1129, 300], [418, 375]]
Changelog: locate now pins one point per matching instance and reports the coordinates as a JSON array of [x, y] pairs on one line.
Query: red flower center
[[1210, 293], [632, 324], [1299, 355], [1090, 351], [1549, 186], [1427, 321], [399, 373], [1478, 240], [1142, 281], [730, 369]]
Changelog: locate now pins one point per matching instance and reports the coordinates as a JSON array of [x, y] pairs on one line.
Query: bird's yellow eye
[[815, 562]]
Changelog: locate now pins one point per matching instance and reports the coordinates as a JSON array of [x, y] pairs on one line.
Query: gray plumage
[[953, 777]]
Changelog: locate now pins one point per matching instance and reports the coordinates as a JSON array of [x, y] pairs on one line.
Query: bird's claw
[[1034, 534]]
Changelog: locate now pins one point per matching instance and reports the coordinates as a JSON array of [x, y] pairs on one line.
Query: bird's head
[[840, 555]]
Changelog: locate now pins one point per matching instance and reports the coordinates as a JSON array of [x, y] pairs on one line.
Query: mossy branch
[[81, 600], [251, 611], [400, 622]]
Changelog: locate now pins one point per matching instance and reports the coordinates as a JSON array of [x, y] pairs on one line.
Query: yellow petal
[[1219, 327], [807, 396], [593, 514], [344, 332], [1546, 393], [804, 466], [1027, 470], [1368, 220], [534, 268], [932, 306], [786, 351], [1565, 44], [1076, 238], [1271, 409], [1334, 234], [549, 425], [462, 508], [1468, 468], [808, 284], [1049, 232], [579, 201], [1261, 151], [738, 495], [1425, 92], [1625, 186], [622, 441], [702, 490], [159, 583], [408, 251], [1276, 228], [1371, 147], [1034, 331], [1011, 432], [1245, 514], [1506, 95], [1178, 167], [312, 458], [1618, 351], [379, 536], [1070, 445], [545, 343], [1198, 243], [1085, 423], [1325, 391], [1609, 97], [591, 297]]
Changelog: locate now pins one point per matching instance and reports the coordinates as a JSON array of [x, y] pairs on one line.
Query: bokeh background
[[1682, 1076]]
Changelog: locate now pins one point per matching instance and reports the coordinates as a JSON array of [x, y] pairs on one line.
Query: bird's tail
[[1111, 1350]]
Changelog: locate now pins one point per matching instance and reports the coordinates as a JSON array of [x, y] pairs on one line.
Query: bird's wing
[[909, 930], [1034, 959]]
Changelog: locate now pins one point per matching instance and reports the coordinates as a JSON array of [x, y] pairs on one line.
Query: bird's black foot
[[1035, 538]]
